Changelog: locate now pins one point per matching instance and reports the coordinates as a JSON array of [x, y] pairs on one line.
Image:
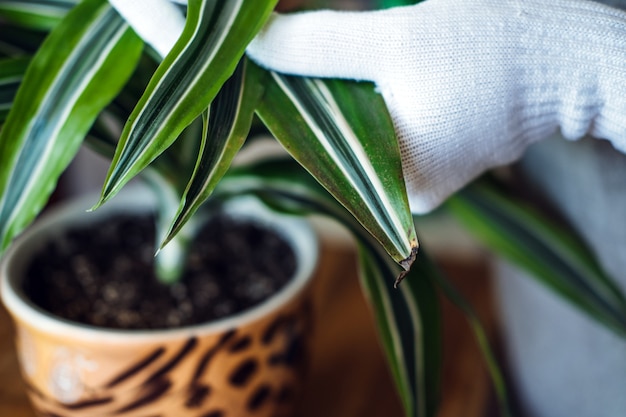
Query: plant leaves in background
[[11, 73], [408, 321], [80, 67], [36, 14], [553, 255], [407, 318], [18, 42], [212, 43], [341, 133]]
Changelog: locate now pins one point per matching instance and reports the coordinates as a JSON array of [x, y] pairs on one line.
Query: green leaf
[[385, 4], [36, 14], [407, 318], [169, 261], [80, 67], [408, 323], [11, 74], [341, 133], [226, 127], [212, 43], [553, 255], [18, 42]]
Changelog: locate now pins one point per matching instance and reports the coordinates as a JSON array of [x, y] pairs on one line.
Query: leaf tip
[[93, 208], [406, 265], [96, 206], [162, 245]]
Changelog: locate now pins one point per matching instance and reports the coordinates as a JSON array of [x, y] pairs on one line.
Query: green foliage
[[349, 148], [190, 80], [40, 15], [552, 254], [186, 82], [407, 318], [186, 117], [79, 68]]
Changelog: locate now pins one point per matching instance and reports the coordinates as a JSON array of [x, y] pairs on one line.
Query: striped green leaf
[[408, 326], [170, 260], [341, 133], [407, 318], [226, 127], [553, 255], [213, 41], [11, 74], [176, 163], [36, 14], [80, 67]]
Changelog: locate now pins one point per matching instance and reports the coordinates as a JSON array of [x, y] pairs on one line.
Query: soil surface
[[104, 276]]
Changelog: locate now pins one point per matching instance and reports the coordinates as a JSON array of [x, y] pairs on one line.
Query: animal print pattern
[[252, 370]]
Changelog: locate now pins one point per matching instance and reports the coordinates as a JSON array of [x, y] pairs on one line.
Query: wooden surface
[[348, 376]]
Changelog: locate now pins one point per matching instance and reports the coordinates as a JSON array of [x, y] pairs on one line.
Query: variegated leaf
[[170, 261], [553, 255], [36, 14], [226, 127], [341, 133], [206, 55], [407, 318], [11, 74], [80, 67], [408, 326]]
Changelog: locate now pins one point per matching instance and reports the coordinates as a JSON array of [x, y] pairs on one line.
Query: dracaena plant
[[74, 72]]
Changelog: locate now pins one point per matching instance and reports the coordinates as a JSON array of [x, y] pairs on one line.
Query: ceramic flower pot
[[248, 364]]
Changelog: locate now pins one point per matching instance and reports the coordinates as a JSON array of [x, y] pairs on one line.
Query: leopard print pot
[[251, 364]]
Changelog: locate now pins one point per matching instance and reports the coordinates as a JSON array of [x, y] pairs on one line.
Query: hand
[[469, 83]]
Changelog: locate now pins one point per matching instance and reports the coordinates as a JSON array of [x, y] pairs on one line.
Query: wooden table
[[348, 373]]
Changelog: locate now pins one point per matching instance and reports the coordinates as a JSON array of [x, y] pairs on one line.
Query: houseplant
[[246, 362], [90, 84], [89, 66]]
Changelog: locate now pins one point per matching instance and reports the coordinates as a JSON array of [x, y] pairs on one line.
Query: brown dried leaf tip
[[406, 265]]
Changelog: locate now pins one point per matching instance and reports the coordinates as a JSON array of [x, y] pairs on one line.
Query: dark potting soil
[[104, 276]]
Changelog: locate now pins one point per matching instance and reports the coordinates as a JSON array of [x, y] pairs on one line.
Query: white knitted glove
[[158, 22], [469, 83]]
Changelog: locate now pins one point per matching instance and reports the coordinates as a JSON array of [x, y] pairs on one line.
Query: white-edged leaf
[[80, 67], [341, 133], [408, 326], [552, 254], [226, 126], [36, 14], [205, 56], [407, 318]]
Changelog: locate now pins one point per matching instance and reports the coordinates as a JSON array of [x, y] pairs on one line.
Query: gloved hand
[[469, 83]]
